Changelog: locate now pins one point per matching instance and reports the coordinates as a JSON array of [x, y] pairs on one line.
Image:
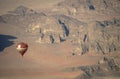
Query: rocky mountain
[[94, 36], [75, 7], [63, 23]]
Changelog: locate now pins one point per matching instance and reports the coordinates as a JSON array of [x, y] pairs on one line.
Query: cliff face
[[99, 37], [87, 36]]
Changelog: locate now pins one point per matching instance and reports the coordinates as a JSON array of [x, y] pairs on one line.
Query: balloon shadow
[[6, 41]]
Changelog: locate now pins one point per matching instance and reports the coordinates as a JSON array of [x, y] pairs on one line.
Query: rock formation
[[75, 7], [106, 64], [95, 36], [60, 25]]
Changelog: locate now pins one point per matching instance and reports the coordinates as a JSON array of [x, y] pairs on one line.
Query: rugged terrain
[[72, 40]]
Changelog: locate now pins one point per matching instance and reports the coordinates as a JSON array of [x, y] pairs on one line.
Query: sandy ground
[[40, 61]]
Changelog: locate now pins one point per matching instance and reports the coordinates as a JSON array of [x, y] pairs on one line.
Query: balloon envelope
[[22, 48]]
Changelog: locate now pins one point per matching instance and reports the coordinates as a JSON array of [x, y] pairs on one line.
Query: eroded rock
[[95, 36]]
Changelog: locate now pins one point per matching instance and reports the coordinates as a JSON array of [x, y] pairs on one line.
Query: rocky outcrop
[[83, 76], [101, 36], [91, 36], [109, 64], [75, 7], [48, 29], [106, 64], [22, 10]]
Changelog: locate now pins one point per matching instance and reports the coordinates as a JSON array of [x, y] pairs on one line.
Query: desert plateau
[[67, 39]]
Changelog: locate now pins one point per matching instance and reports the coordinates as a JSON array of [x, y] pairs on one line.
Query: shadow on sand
[[6, 41]]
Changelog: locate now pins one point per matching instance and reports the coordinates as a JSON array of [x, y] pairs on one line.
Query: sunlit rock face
[[88, 36], [74, 7]]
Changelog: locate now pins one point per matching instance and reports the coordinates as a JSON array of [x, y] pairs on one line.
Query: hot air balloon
[[22, 48]]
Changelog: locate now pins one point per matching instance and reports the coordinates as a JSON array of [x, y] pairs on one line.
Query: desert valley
[[67, 39]]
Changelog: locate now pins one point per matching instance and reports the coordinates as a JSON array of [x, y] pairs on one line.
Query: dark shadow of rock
[[6, 41]]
